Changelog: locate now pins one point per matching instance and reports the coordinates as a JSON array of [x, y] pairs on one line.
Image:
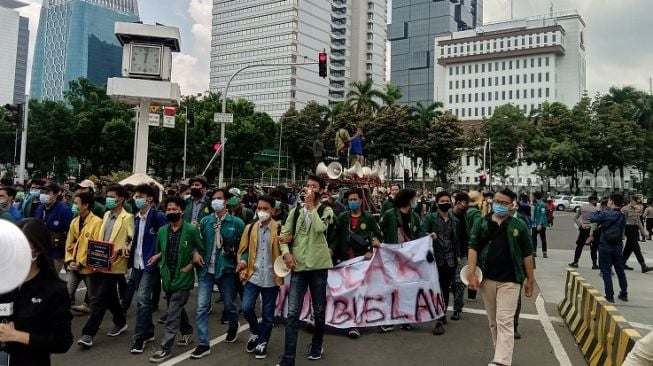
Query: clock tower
[[146, 71]]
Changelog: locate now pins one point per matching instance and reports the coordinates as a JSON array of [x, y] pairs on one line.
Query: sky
[[618, 36]]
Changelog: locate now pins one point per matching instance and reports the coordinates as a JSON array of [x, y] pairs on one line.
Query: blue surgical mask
[[413, 205], [44, 198], [34, 193], [354, 205], [500, 210], [217, 205], [140, 202]]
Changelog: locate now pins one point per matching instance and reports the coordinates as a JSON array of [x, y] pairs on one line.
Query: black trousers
[[583, 234], [446, 276], [632, 244], [103, 289], [542, 233]]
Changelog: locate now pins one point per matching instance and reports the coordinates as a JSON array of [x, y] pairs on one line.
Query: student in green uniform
[[387, 204]]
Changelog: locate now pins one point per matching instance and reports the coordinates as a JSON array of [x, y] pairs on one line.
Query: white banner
[[154, 119], [169, 121], [398, 285]]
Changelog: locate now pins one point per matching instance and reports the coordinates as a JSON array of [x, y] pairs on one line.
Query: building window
[[510, 79], [539, 92], [489, 66], [474, 48], [530, 40], [475, 83], [482, 82], [525, 65], [489, 96], [450, 99], [450, 84], [510, 65], [482, 67], [476, 97], [475, 111], [503, 65], [509, 94], [456, 101], [523, 41], [496, 95], [503, 80], [546, 61], [489, 81], [457, 85], [450, 71], [482, 97], [457, 112], [489, 111], [481, 45], [546, 76], [476, 68], [517, 64], [463, 109], [517, 79], [516, 94], [532, 78], [463, 98], [539, 62], [456, 70], [448, 50], [508, 43], [532, 62], [554, 38], [537, 40], [469, 69], [532, 93], [539, 77], [503, 95], [496, 80], [546, 39], [501, 44], [468, 160], [468, 48], [525, 93], [546, 92], [482, 111]]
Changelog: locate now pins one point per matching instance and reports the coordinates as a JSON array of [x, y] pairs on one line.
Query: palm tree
[[391, 94], [361, 96], [424, 114]]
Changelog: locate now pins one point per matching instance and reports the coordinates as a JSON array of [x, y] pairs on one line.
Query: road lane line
[[555, 319], [186, 355], [558, 349]]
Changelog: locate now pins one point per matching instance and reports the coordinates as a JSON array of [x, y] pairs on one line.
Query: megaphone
[[357, 170], [367, 171], [334, 170], [321, 169], [375, 173]]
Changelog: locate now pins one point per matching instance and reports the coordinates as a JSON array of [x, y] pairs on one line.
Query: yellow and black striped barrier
[[601, 332]]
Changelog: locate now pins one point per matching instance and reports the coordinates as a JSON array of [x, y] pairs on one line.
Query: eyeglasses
[[503, 203]]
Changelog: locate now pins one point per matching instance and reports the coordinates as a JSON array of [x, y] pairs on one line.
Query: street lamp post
[[279, 152]]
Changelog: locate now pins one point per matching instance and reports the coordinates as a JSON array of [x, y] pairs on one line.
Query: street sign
[[223, 117], [154, 119]]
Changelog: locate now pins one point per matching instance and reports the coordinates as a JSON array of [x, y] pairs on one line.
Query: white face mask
[[263, 216]]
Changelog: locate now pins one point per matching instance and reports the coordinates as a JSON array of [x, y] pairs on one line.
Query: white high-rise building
[[14, 40], [524, 62], [246, 32]]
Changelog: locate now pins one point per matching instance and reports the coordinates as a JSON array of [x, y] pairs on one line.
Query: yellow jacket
[[77, 241], [248, 247], [121, 237]]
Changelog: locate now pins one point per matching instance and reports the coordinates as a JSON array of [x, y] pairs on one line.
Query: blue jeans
[[147, 281], [204, 292], [612, 255], [316, 281], [268, 301], [133, 283], [459, 288]]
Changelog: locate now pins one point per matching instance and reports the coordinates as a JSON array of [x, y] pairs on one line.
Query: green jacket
[[309, 246], [231, 230], [471, 215], [539, 214], [430, 225], [98, 209], [189, 243], [5, 215], [387, 205], [367, 228], [391, 222], [245, 214], [205, 210], [519, 241]]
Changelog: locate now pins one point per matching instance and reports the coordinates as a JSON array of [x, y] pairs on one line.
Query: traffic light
[[14, 114], [322, 58]]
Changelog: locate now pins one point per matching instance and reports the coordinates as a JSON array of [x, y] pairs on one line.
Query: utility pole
[[22, 175]]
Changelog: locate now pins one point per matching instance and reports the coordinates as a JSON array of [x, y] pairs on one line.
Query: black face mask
[[444, 207], [196, 192], [173, 216]]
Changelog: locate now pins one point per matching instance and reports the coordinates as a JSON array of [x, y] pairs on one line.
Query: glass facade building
[[14, 41], [415, 23], [76, 39]]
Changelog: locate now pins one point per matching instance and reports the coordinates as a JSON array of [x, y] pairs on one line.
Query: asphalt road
[[546, 340]]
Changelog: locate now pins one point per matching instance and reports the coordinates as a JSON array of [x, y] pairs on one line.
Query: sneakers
[[386, 328], [139, 345], [646, 269], [200, 351], [406, 327], [186, 339], [594, 266], [81, 308], [315, 352], [623, 297], [609, 299], [628, 268], [573, 265], [456, 315], [117, 330], [354, 333], [86, 341], [439, 328], [261, 351], [232, 334], [545, 255], [160, 355], [251, 343], [286, 361]]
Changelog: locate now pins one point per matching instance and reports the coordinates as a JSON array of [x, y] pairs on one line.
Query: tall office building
[[289, 31], [14, 41], [524, 62], [414, 25], [76, 39]]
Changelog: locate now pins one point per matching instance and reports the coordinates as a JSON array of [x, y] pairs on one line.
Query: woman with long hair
[[41, 321]]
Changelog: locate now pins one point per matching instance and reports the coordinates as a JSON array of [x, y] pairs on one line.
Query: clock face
[[145, 60]]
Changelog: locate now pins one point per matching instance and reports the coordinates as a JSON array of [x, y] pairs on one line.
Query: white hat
[[280, 268], [464, 272], [15, 256], [87, 183]]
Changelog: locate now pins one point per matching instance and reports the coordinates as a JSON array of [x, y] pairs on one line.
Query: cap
[[87, 183], [235, 192], [200, 179], [15, 256], [54, 187], [280, 268]]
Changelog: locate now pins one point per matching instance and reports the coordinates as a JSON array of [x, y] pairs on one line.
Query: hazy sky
[[618, 37]]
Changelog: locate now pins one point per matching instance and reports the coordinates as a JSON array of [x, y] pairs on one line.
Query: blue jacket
[[57, 218], [153, 222], [612, 224], [357, 146], [231, 230], [13, 211]]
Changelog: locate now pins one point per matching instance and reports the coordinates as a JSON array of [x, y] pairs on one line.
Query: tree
[[391, 94], [362, 97], [445, 139], [423, 115], [389, 134], [507, 127]]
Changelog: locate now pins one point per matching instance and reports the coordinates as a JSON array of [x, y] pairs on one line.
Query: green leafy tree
[[363, 97], [507, 127], [445, 139], [423, 116], [391, 94]]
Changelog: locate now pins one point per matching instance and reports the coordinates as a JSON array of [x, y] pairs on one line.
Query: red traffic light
[[323, 57], [322, 70], [216, 147]]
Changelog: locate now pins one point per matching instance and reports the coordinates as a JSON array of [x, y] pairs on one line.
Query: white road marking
[[555, 319], [558, 349], [186, 355]]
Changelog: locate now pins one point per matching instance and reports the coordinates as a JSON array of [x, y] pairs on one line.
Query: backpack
[[330, 233], [613, 234]]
